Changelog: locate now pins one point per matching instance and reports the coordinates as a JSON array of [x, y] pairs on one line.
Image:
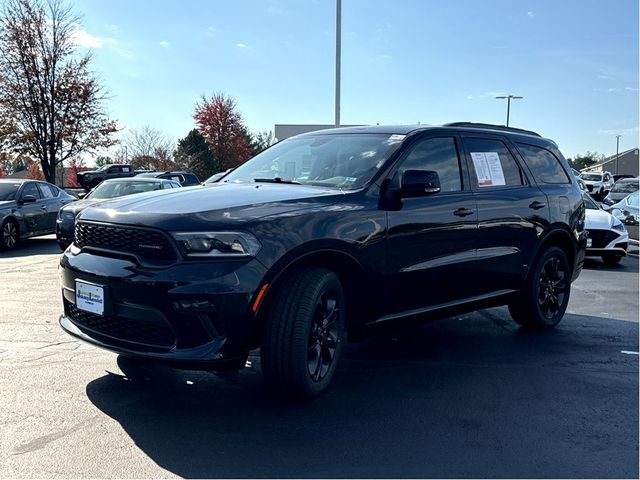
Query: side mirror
[[28, 199], [418, 183], [81, 195]]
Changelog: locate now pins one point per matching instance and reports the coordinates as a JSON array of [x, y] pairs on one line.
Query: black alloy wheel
[[552, 287], [544, 298], [9, 235], [323, 337]]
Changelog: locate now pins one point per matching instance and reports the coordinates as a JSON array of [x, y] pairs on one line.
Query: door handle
[[43, 207], [463, 212], [537, 205]]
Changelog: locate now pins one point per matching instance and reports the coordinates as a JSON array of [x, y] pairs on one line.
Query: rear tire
[[543, 300], [9, 234], [304, 333], [611, 260]]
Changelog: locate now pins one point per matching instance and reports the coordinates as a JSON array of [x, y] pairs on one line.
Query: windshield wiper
[[275, 180]]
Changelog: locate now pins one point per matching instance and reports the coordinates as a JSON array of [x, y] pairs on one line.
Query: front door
[[34, 213], [430, 244]]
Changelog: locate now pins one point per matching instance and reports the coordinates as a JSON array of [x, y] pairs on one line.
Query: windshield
[[589, 203], [118, 189], [632, 200], [592, 177], [8, 191], [625, 187], [333, 160]]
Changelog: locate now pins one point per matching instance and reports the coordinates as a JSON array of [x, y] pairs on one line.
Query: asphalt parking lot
[[471, 396]]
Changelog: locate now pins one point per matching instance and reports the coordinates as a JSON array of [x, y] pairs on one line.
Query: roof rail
[[489, 126]]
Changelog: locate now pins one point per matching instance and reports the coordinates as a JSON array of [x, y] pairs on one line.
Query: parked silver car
[[626, 210], [608, 237], [598, 183], [28, 208], [620, 190]]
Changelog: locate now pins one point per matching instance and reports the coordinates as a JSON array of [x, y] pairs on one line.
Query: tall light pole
[[338, 48], [617, 151], [509, 97]]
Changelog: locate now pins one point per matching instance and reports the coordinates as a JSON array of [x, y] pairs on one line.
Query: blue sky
[[575, 62]]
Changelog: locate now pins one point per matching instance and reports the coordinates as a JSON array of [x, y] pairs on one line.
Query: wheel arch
[[557, 236], [343, 264]]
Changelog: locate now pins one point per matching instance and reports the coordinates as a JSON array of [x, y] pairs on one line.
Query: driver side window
[[439, 155]]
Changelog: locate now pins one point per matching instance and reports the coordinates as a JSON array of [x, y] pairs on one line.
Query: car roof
[[408, 129], [24, 180]]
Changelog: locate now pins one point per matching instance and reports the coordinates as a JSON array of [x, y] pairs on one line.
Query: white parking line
[[629, 352]]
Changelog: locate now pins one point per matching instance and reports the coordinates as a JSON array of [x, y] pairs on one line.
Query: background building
[[626, 164]]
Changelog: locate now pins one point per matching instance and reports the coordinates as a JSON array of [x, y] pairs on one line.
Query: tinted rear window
[[544, 165]]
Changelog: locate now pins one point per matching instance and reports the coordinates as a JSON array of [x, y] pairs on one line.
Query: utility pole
[[338, 48], [509, 97], [617, 151]]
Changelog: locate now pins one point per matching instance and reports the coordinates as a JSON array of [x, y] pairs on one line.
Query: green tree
[[261, 141], [51, 104], [586, 160], [194, 153], [102, 160]]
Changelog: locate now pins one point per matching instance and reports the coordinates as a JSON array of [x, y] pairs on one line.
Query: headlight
[[608, 201], [217, 244], [617, 225], [66, 215]]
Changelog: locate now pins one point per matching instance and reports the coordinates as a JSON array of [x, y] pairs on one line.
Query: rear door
[[431, 239], [512, 211]]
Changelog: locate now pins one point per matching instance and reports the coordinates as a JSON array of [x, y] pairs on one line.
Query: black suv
[[328, 234]]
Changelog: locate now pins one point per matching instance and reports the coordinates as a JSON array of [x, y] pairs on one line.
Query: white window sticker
[[488, 169]]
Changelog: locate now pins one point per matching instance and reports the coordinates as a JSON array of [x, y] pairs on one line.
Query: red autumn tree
[[34, 172], [222, 126]]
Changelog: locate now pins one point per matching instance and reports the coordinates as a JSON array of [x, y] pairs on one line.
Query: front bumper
[[607, 243], [191, 314]]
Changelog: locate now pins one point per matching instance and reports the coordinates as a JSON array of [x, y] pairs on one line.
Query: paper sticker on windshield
[[488, 169]]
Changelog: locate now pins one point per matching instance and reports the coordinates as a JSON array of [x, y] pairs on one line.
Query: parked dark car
[[186, 179], [627, 211], [620, 190], [28, 208], [113, 188], [92, 178], [621, 177], [324, 234]]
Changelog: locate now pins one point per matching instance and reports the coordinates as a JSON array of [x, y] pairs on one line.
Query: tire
[[611, 260], [543, 300], [9, 235], [303, 333]]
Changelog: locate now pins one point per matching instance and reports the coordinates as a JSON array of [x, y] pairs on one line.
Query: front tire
[[9, 235], [304, 332], [545, 296]]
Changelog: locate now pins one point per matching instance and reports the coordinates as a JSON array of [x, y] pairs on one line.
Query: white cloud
[[531, 14], [240, 45], [485, 95], [633, 131], [84, 39], [164, 44], [386, 56]]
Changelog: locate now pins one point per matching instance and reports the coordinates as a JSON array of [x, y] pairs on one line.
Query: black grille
[[590, 188], [601, 238], [147, 245], [150, 333]]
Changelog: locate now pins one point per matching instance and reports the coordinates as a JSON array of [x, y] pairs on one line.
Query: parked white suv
[[598, 183]]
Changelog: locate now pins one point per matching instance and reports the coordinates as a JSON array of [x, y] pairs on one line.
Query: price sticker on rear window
[[488, 169]]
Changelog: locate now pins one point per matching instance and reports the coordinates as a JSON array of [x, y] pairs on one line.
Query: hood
[[79, 205], [617, 196], [591, 182], [214, 206], [7, 204], [598, 220]]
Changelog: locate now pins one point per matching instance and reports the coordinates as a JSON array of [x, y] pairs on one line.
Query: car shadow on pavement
[[30, 247], [470, 396]]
